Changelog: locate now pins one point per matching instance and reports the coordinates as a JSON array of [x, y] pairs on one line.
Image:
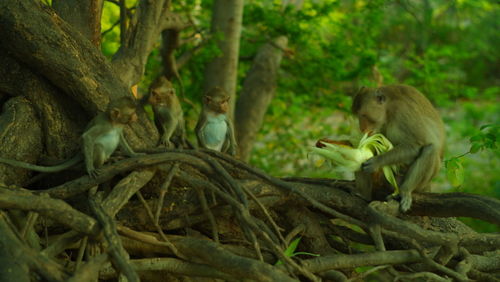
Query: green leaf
[[476, 138], [292, 247], [455, 172], [289, 252], [486, 126], [476, 147]]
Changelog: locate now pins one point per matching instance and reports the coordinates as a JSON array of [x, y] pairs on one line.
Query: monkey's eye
[[380, 98]]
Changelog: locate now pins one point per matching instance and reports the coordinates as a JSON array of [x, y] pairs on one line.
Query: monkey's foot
[[405, 203], [369, 166], [167, 143], [94, 173]]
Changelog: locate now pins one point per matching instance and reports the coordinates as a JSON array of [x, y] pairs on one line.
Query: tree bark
[[83, 15], [20, 138], [60, 53], [150, 19], [60, 117], [258, 91], [222, 71], [67, 60]]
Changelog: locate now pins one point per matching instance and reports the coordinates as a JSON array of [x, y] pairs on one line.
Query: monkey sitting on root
[[168, 115], [214, 129], [103, 135], [412, 124]]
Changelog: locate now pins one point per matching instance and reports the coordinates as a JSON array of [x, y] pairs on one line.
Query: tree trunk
[[150, 19], [258, 91], [66, 78], [20, 138], [83, 15], [222, 71]]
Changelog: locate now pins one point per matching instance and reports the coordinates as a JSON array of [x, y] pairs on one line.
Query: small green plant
[[290, 251]]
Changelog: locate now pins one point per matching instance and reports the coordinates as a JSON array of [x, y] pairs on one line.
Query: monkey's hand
[[165, 141], [94, 172], [232, 150], [370, 165], [405, 203]]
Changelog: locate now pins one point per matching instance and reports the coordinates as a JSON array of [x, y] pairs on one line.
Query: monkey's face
[[218, 105], [370, 108], [124, 115], [162, 96]]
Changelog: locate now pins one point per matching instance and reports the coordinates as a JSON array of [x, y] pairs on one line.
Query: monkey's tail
[[67, 164]]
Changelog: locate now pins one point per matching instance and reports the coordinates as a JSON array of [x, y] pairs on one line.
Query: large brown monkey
[[101, 138], [168, 115], [214, 129], [412, 124]]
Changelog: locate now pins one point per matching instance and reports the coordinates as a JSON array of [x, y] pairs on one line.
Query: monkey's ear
[[207, 99]]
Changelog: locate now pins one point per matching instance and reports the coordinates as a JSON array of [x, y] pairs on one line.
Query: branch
[[170, 265], [340, 261], [53, 208], [457, 205], [60, 53], [150, 19], [17, 252]]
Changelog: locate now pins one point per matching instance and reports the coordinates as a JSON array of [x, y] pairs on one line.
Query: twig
[[164, 189], [118, 254], [426, 276], [295, 231], [208, 213], [32, 217], [81, 252], [368, 272], [266, 213], [287, 186], [245, 216], [436, 265], [158, 227]]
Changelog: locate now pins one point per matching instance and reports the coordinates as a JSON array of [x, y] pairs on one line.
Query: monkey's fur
[[168, 115], [214, 129], [408, 119], [101, 138]]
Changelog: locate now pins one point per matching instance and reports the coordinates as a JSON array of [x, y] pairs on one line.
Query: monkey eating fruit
[[412, 124]]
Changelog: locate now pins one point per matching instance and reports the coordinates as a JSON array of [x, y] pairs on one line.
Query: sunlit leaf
[[475, 147], [455, 172]]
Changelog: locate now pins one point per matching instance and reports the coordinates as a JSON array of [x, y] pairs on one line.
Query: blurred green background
[[447, 49]]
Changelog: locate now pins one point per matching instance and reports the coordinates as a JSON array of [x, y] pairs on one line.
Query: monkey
[[412, 124], [100, 139], [214, 129], [168, 115], [105, 133]]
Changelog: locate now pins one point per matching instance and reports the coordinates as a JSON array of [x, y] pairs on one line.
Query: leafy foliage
[[446, 49]]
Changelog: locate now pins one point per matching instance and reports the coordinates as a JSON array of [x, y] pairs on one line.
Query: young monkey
[[412, 124], [168, 115], [101, 138], [214, 129]]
